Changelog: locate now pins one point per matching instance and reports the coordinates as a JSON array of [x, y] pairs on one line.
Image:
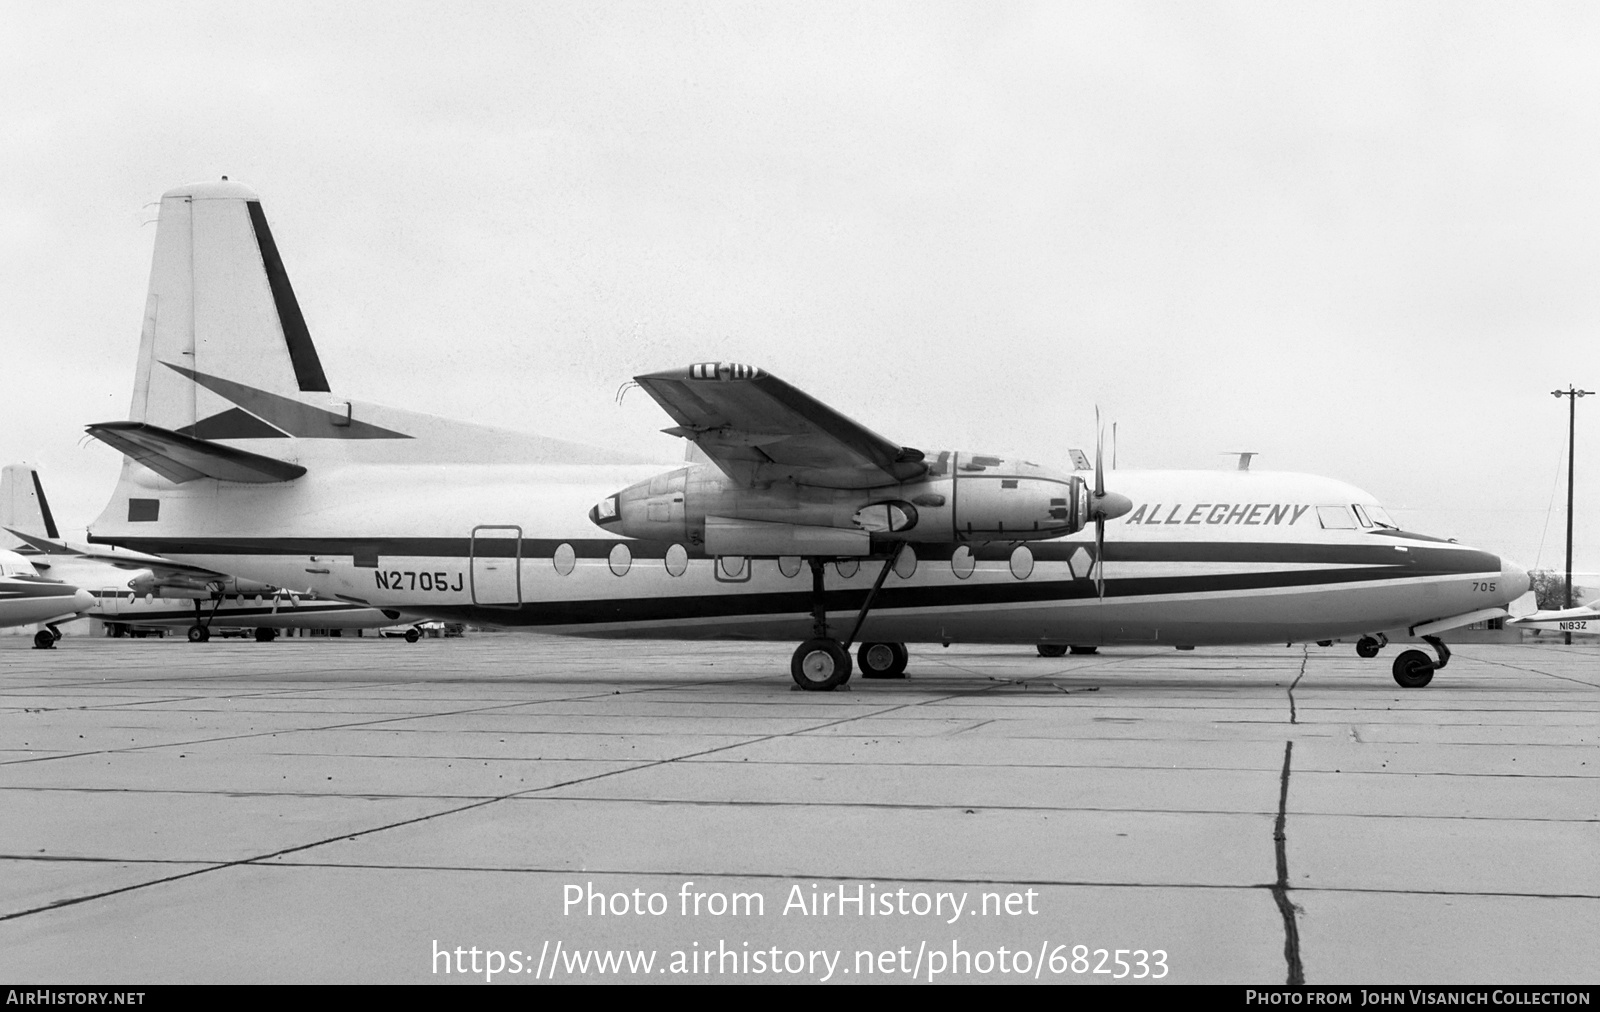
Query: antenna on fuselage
[[1244, 457]]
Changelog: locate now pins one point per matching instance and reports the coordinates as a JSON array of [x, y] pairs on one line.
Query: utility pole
[[1572, 394]]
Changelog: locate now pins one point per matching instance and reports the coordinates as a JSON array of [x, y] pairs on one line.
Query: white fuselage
[[1204, 558], [26, 597]]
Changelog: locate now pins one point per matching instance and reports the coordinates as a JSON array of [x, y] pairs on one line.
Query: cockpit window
[[1361, 516], [1335, 518], [1381, 517]]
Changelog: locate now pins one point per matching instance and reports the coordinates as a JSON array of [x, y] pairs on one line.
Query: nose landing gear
[[1413, 669], [1368, 646]]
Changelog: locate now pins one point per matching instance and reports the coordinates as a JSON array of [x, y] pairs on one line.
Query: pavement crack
[[1305, 655], [1280, 889]]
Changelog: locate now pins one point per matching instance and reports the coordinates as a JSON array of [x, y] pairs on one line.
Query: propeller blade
[[1099, 455], [1100, 556]]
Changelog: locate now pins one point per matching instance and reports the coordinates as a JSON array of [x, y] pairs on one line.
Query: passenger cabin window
[[1335, 518]]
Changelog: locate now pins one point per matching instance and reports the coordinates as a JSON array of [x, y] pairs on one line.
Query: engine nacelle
[[963, 497]]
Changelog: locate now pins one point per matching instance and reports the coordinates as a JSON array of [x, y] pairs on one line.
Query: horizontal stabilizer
[[179, 458]]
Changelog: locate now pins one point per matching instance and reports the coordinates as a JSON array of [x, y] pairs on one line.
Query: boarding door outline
[[496, 579]]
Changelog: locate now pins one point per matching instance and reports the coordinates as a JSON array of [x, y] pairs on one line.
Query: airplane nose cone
[[82, 601], [604, 513], [1514, 579]]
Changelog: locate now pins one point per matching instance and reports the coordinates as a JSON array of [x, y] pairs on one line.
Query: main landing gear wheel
[[1413, 669], [412, 635], [1084, 650], [820, 665], [199, 634], [883, 660], [44, 639], [265, 635], [1368, 647], [1052, 650]]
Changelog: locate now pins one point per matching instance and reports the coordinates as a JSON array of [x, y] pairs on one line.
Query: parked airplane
[[1581, 620], [26, 598], [239, 458], [133, 591]]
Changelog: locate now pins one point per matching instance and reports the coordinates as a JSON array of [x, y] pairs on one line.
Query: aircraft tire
[[1367, 647], [1052, 650], [820, 665], [1413, 669], [883, 660], [44, 640], [199, 634], [1084, 650], [265, 635], [412, 636]]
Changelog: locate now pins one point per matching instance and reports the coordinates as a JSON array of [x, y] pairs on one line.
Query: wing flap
[[179, 458]]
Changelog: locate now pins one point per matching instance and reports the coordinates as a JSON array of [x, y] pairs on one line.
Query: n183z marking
[[396, 579]]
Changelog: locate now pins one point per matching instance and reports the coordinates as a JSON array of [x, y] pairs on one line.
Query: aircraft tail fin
[[23, 506], [220, 306]]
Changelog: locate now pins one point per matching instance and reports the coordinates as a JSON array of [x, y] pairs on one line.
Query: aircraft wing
[[166, 571], [756, 427]]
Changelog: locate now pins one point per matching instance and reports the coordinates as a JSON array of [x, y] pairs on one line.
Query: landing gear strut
[[201, 630], [1413, 669], [821, 663]]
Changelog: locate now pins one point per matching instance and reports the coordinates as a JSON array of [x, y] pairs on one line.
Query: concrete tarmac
[[362, 810]]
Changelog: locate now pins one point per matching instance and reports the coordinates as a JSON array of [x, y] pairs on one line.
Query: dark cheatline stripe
[[307, 366], [19, 587], [893, 598], [1420, 560], [44, 508]]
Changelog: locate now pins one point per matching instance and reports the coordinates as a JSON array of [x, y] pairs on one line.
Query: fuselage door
[[496, 551]]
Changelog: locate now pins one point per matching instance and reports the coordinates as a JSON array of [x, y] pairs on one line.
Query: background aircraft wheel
[[1052, 650], [412, 636], [883, 660], [1084, 650], [1366, 646], [43, 640], [1413, 669], [265, 635], [820, 665], [199, 634]]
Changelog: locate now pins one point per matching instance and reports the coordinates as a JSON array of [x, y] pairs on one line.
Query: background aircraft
[[133, 591], [1583, 619], [239, 458], [26, 598]]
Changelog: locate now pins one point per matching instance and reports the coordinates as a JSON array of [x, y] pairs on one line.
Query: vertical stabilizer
[[23, 506], [220, 305]]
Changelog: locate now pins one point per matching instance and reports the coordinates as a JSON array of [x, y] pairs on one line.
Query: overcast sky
[[1360, 238]]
